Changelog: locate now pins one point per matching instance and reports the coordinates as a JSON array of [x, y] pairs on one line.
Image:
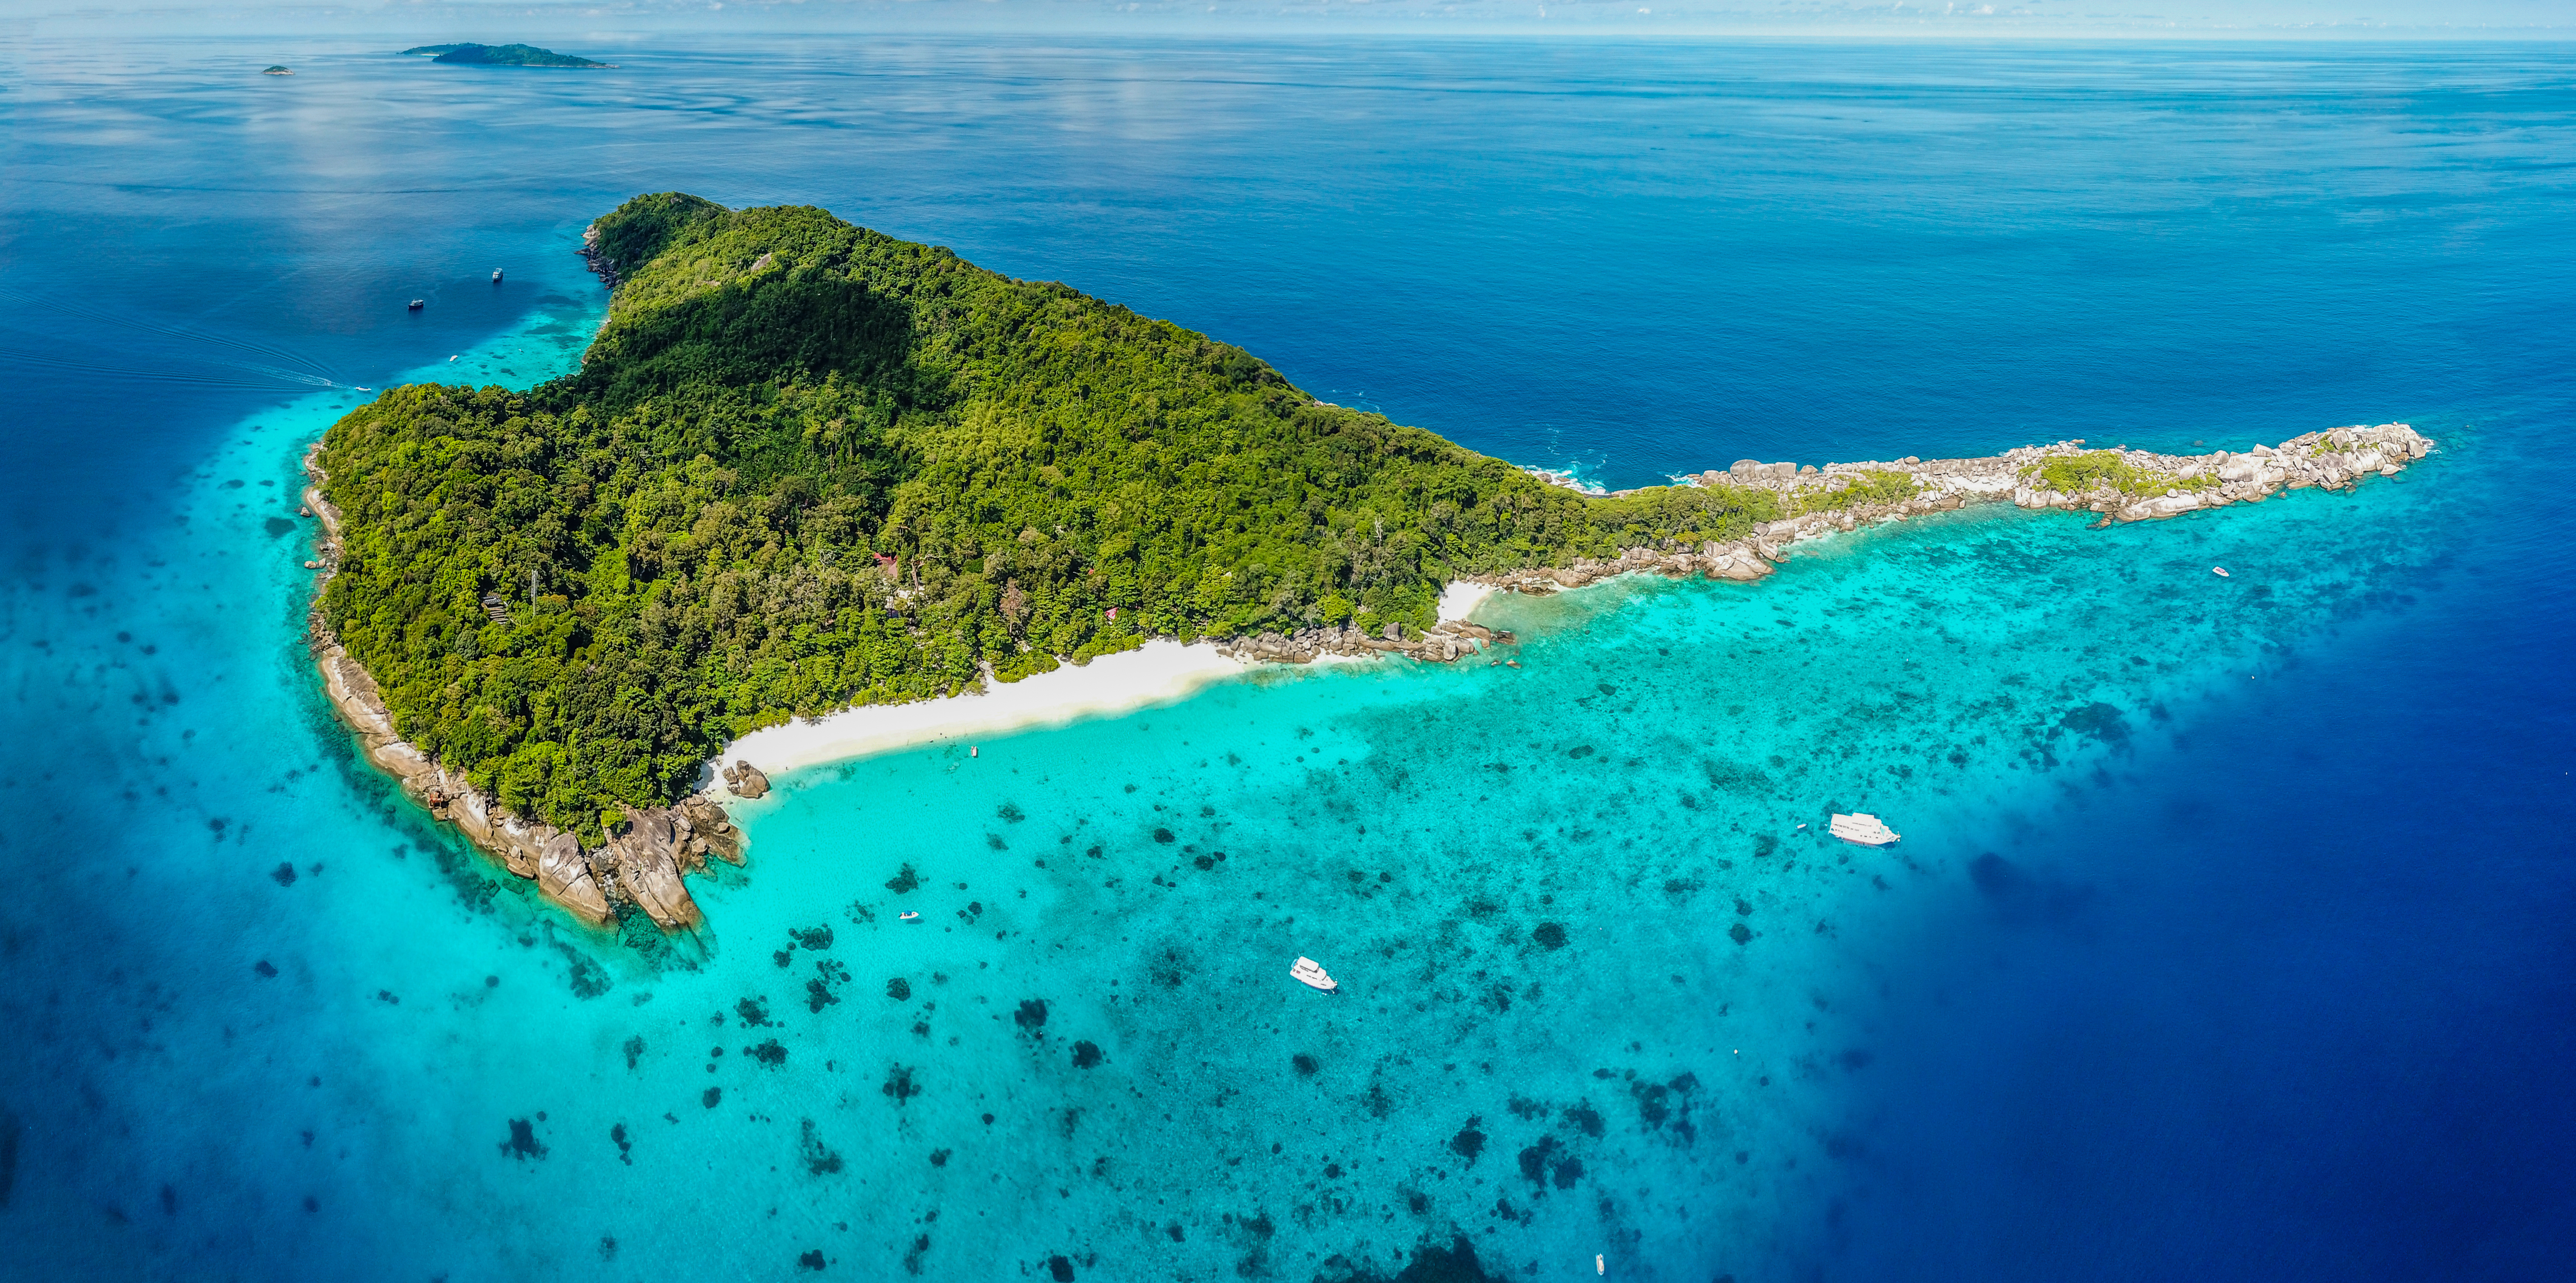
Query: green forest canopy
[[805, 465]]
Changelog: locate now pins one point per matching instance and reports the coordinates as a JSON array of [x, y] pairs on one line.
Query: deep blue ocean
[[2234, 931]]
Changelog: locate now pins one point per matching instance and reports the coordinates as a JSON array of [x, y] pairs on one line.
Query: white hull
[[1310, 973], [1863, 828]]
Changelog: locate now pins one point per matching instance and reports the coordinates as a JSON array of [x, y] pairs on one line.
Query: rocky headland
[[644, 859], [2122, 485]]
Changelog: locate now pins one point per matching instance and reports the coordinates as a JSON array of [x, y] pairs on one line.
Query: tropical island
[[805, 466], [501, 56]]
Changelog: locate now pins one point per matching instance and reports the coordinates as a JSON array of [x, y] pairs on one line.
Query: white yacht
[[1311, 974], [1868, 830]]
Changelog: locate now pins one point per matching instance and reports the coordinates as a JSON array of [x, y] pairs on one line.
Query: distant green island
[[500, 56]]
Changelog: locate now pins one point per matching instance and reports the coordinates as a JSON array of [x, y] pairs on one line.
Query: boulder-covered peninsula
[[2122, 485], [805, 466]]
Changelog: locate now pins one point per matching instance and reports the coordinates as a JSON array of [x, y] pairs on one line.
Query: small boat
[[416, 305], [365, 389], [496, 276], [907, 916], [2220, 571], [1861, 827], [1310, 973]]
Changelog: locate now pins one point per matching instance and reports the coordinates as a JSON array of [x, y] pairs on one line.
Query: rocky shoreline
[[2122, 485], [642, 863]]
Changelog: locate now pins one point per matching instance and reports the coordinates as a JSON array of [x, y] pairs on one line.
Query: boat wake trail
[[274, 368]]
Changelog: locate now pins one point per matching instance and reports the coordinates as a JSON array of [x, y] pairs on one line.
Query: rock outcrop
[[746, 781], [564, 876], [641, 864], [1446, 642], [644, 864], [711, 832]]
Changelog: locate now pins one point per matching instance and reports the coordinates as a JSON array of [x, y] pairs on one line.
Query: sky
[[618, 21]]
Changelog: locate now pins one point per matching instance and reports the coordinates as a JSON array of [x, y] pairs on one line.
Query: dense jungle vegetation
[[805, 465]]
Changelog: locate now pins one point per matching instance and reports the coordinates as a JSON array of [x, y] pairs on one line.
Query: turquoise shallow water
[[1603, 980], [2228, 936]]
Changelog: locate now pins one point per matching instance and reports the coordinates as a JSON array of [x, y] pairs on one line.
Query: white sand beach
[[1459, 600], [1158, 672]]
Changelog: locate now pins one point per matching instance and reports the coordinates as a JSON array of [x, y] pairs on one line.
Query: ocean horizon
[[2228, 936]]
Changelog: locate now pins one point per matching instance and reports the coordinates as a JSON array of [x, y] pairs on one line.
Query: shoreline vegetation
[[815, 492]]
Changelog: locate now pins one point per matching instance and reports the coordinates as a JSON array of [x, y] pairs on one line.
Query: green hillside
[[806, 465]]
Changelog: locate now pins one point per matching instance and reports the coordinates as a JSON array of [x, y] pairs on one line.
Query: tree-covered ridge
[[805, 465]]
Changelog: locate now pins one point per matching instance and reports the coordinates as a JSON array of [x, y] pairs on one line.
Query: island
[[275, 70], [805, 466], [501, 56]]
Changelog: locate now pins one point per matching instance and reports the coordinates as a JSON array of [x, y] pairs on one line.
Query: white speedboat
[[1310, 973], [1868, 830], [2220, 571]]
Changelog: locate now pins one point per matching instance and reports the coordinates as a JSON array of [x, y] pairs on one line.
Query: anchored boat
[[1311, 974], [416, 305], [1866, 829]]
